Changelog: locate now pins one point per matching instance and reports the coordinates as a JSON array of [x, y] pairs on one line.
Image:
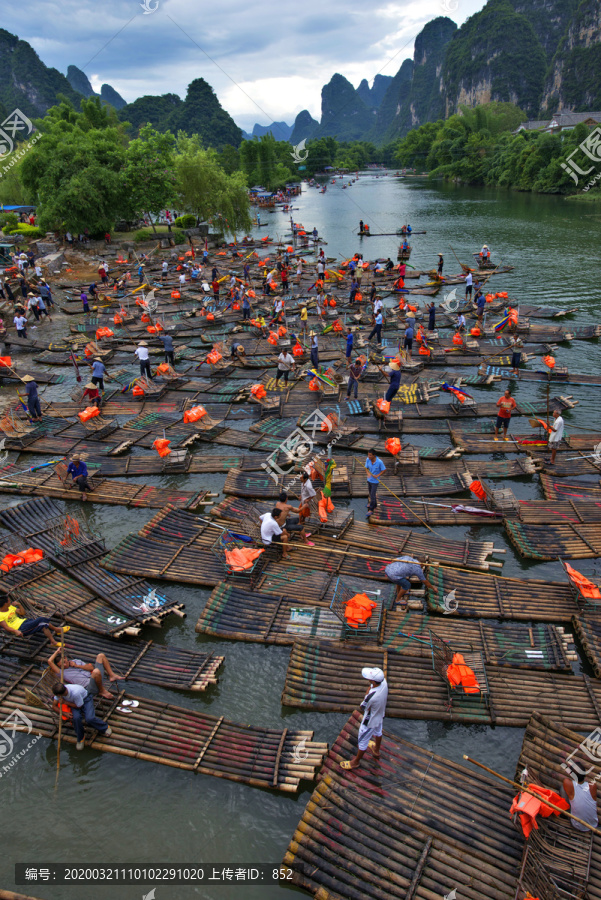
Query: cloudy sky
[[266, 61]]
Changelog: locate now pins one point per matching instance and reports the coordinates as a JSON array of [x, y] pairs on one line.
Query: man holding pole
[[375, 467], [82, 704], [555, 434]]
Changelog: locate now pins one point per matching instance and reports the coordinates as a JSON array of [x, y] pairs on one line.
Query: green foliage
[[74, 170], [478, 147], [144, 234], [187, 221], [30, 231], [229, 159], [8, 220], [148, 171], [206, 190], [179, 237], [267, 162]]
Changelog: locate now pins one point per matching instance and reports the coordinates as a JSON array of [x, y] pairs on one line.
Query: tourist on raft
[[82, 703], [87, 675], [374, 706], [506, 405], [13, 619]]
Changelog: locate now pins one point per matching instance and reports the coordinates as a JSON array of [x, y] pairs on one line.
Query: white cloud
[[279, 54]]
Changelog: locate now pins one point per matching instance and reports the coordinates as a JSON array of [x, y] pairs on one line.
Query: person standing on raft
[[556, 434], [506, 405], [374, 706]]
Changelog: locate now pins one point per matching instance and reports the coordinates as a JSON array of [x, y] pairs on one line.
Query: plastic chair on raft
[[464, 674], [351, 607]]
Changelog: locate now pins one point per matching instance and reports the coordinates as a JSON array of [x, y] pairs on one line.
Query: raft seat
[[442, 658]]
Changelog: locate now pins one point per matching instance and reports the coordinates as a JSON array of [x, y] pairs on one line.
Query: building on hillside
[[561, 121]]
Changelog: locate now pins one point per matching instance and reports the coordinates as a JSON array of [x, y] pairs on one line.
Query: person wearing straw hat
[[395, 380], [98, 372], [374, 706], [33, 401], [92, 394], [142, 354], [78, 471]]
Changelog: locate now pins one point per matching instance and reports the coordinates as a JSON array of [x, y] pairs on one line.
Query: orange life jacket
[[459, 673], [383, 406], [528, 807], [325, 506], [258, 391], [194, 414], [477, 488], [161, 445], [549, 361], [314, 385], [358, 610], [587, 588], [241, 558], [457, 339], [393, 445], [88, 413]]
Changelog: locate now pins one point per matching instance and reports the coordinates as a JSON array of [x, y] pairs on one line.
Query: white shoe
[[79, 745]]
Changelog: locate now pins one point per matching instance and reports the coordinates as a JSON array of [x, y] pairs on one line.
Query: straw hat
[[97, 359], [142, 344], [30, 294], [27, 378], [76, 457], [311, 333], [486, 245], [90, 384], [395, 366]]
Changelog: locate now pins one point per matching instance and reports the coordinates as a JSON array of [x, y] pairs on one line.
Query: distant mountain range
[[542, 55]]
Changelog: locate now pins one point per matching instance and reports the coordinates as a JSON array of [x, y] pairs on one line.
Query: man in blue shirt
[[481, 304], [168, 347], [377, 329], [78, 471], [432, 316], [140, 273], [98, 372], [350, 337], [33, 401], [408, 342], [395, 381], [375, 467]]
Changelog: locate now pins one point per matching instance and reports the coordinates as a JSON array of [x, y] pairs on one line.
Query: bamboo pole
[[526, 790]]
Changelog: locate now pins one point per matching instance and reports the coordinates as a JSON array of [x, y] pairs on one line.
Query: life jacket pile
[[358, 610], [459, 673], [587, 588], [325, 506], [241, 558], [88, 413], [161, 445], [194, 414], [393, 446], [258, 391], [25, 557]]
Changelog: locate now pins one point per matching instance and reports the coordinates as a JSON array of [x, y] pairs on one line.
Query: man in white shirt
[[165, 269], [285, 363], [38, 271], [182, 279], [271, 533], [81, 703], [556, 434], [377, 305], [468, 285], [142, 354], [374, 704], [20, 323], [460, 322]]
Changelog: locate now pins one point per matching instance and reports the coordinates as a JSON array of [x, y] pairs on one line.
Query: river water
[[108, 809]]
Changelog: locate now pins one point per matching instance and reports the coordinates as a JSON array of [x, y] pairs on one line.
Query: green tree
[[205, 189], [148, 172], [73, 172]]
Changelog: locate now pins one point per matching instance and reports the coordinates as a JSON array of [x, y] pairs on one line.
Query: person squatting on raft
[[582, 795], [271, 532], [374, 706], [78, 471], [400, 570], [82, 703], [292, 523]]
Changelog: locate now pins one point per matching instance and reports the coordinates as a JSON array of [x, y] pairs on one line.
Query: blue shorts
[[402, 582], [30, 626]]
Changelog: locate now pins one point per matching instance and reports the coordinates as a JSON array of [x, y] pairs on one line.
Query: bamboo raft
[[449, 512], [576, 491], [186, 739], [34, 520], [237, 614], [136, 660], [572, 858], [568, 540], [46, 483], [588, 631], [490, 597], [314, 681], [370, 835]]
